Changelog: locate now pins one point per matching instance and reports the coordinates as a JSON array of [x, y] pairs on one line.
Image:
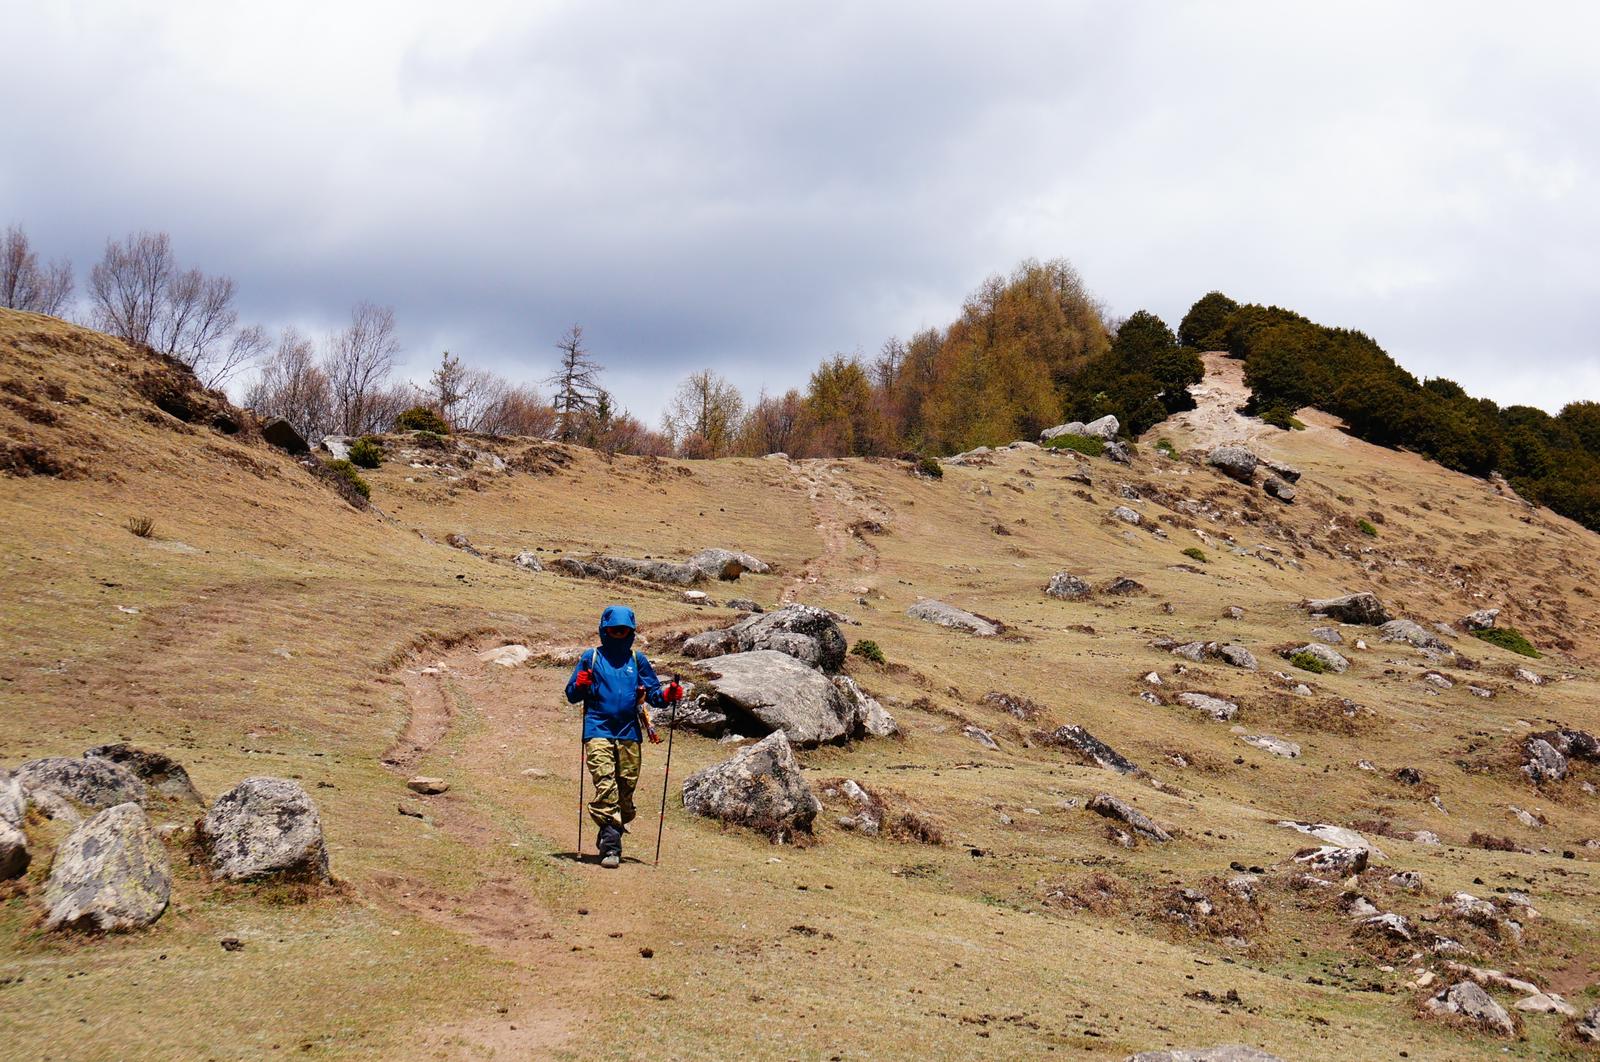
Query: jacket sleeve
[[651, 684], [573, 694]]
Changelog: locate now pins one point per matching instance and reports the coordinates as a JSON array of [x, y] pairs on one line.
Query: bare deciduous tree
[[293, 386], [705, 410], [775, 425], [360, 359], [25, 284], [577, 386], [140, 295]]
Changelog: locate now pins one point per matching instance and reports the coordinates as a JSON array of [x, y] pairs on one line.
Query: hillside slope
[[268, 628]]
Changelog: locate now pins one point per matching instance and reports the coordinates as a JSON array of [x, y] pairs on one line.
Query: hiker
[[611, 681]]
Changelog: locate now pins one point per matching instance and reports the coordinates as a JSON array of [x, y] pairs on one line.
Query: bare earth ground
[[278, 631]]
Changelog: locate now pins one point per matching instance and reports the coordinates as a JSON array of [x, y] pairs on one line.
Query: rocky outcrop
[[1215, 707], [1115, 808], [726, 565], [14, 855], [1546, 754], [1126, 515], [528, 561], [90, 782], [1116, 451], [111, 874], [1276, 745], [1588, 1030], [1234, 461], [957, 619], [1280, 489], [1091, 749], [285, 436], [1404, 630], [1480, 620], [1105, 429], [810, 635], [160, 772], [761, 787], [1362, 608], [1067, 587], [868, 717], [1468, 1001], [264, 827], [766, 690], [13, 801], [598, 566]]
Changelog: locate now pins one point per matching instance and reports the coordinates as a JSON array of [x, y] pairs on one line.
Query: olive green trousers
[[614, 769]]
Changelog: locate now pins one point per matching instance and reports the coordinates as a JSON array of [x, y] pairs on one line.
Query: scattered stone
[[760, 787], [1114, 808], [1532, 678], [1122, 586], [1408, 776], [1278, 468], [1588, 1030], [456, 540], [1410, 880], [1067, 586], [1527, 818], [427, 786], [110, 874], [599, 566], [506, 655], [1280, 489], [1233, 612], [1434, 678], [90, 782], [156, 770], [1545, 1003], [1275, 745], [231, 944], [1327, 635], [529, 561], [1404, 630], [1092, 749], [726, 565], [1466, 1000], [1479, 691], [868, 816], [1194, 651], [1126, 515], [743, 604], [981, 736], [1234, 461], [411, 812], [1332, 859], [1220, 1053], [1391, 925], [1362, 608], [868, 716], [1334, 835], [695, 597], [1215, 707], [1330, 658], [264, 827], [766, 690], [1116, 451], [957, 619], [1480, 620], [1234, 655], [285, 436]]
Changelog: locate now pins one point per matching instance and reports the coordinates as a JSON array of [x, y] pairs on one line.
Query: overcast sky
[[754, 187]]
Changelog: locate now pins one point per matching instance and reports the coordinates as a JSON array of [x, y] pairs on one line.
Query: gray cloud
[[753, 189]]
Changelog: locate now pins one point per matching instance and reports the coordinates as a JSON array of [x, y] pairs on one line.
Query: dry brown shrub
[[1099, 893]]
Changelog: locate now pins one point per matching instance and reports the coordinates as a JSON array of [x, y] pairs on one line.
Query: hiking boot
[[610, 845], [611, 860]]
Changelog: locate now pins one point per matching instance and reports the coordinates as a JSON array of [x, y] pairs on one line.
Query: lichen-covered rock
[[598, 566], [93, 783], [13, 801], [1215, 707], [1543, 762], [1220, 1053], [1105, 428], [1126, 515], [110, 874], [760, 787], [264, 827], [955, 618], [1115, 808], [1464, 999], [766, 690], [1116, 451], [1404, 630], [157, 770], [528, 561], [1233, 655], [868, 716], [1362, 608], [824, 643], [1092, 749], [1234, 461], [1280, 489], [1481, 620], [1332, 859], [1067, 587], [726, 564], [1330, 659]]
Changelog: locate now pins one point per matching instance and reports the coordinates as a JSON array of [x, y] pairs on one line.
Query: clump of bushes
[[1508, 638], [1311, 662], [1366, 528], [347, 481], [366, 452], [868, 650], [421, 418], [1281, 417], [1165, 446], [1087, 445], [1196, 553], [928, 465], [141, 526]]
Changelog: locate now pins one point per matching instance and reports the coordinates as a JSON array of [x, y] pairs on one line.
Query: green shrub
[[366, 452], [1082, 444], [1165, 446], [868, 650], [1366, 528], [1508, 638], [1309, 662], [929, 466], [344, 474], [421, 418], [1282, 417], [1197, 553]]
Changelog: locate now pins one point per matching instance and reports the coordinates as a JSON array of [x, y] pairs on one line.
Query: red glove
[[585, 679], [655, 738], [673, 692]]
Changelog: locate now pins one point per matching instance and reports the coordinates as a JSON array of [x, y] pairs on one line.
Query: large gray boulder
[[264, 827], [955, 618], [810, 635], [760, 787], [1116, 451], [1542, 761], [1067, 587], [599, 566], [1072, 427], [868, 716], [91, 782], [1215, 707], [768, 690], [110, 874], [1481, 620], [1234, 461], [1220, 1053], [1116, 808], [1105, 428], [1092, 749], [157, 770], [726, 564], [1467, 1000], [1363, 608], [1404, 630], [1325, 655]]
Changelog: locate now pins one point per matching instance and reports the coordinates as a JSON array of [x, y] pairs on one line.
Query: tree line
[[1292, 362]]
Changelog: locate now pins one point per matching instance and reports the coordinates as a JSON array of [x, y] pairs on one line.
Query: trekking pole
[[582, 766], [666, 775]]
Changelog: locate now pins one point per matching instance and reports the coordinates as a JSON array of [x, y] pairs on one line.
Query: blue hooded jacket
[[611, 705]]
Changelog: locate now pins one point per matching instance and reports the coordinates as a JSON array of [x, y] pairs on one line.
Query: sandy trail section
[[848, 561]]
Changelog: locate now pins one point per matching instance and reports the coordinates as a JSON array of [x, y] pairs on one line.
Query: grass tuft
[[868, 650], [1366, 528], [1309, 662], [1508, 638], [141, 526], [1197, 553], [1082, 444]]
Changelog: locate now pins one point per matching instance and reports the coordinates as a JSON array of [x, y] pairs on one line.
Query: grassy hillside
[[267, 627]]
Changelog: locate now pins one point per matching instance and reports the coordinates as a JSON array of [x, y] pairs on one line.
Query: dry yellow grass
[[279, 631]]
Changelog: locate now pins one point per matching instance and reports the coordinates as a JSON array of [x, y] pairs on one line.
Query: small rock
[[1113, 808], [1362, 608], [90, 782], [1588, 1030], [1332, 660], [506, 655], [1411, 632], [529, 561], [231, 944], [981, 736], [1330, 859], [14, 857], [1215, 707], [695, 597], [958, 619], [1327, 635], [1280, 489], [1122, 586], [1275, 745], [1465, 999], [1480, 620], [1126, 515], [426, 785], [1410, 880], [1545, 1003], [760, 787], [1093, 749], [1235, 462]]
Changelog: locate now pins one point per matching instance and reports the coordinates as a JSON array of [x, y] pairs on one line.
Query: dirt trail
[[1216, 421], [840, 512]]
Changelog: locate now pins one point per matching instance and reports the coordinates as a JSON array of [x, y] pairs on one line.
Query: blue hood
[[617, 650], [617, 616]]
